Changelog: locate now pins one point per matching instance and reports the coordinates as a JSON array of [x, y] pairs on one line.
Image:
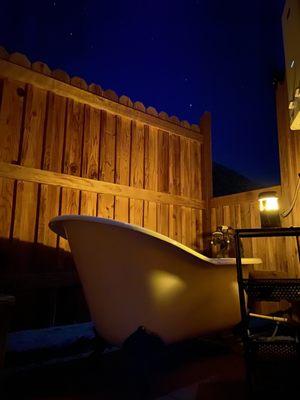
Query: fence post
[[206, 176]]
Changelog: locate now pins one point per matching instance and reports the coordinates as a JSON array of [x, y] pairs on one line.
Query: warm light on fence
[[269, 209]]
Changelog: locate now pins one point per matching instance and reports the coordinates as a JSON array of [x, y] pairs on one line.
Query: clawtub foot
[[145, 356]]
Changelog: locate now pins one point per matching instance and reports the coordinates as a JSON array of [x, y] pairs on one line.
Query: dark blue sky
[[183, 57]]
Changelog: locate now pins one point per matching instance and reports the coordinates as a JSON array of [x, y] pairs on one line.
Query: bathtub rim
[[56, 224]]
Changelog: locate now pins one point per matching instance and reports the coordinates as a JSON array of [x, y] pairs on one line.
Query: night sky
[[183, 57]]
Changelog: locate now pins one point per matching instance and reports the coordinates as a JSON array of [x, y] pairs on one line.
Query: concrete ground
[[194, 370]]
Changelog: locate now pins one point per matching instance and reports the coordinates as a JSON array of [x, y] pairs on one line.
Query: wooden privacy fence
[[241, 211], [70, 148]]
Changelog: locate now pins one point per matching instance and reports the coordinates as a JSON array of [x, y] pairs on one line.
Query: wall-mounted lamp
[[269, 209]]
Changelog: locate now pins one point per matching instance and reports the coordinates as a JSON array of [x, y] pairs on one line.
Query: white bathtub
[[132, 276]]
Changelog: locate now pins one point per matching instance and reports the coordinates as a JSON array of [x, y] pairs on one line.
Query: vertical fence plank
[[196, 192], [25, 226], [245, 222], [72, 158], [11, 111], [213, 219], [196, 229], [219, 213], [259, 246], [206, 175], [137, 172], [232, 216], [186, 226], [195, 172], [31, 154], [12, 100], [174, 187], [226, 215], [185, 172], [255, 223], [150, 207], [163, 181], [106, 202], [90, 158], [238, 217], [53, 153], [122, 166]]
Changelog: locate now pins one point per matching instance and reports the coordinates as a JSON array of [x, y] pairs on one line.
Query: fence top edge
[[242, 197], [42, 68]]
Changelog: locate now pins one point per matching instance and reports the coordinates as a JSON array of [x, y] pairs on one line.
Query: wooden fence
[[67, 147], [70, 148], [241, 211], [278, 254]]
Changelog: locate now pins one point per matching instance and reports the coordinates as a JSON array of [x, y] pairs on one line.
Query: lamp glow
[[268, 204], [269, 209]]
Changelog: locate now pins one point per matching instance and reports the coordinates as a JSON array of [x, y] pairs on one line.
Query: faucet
[[222, 241]]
